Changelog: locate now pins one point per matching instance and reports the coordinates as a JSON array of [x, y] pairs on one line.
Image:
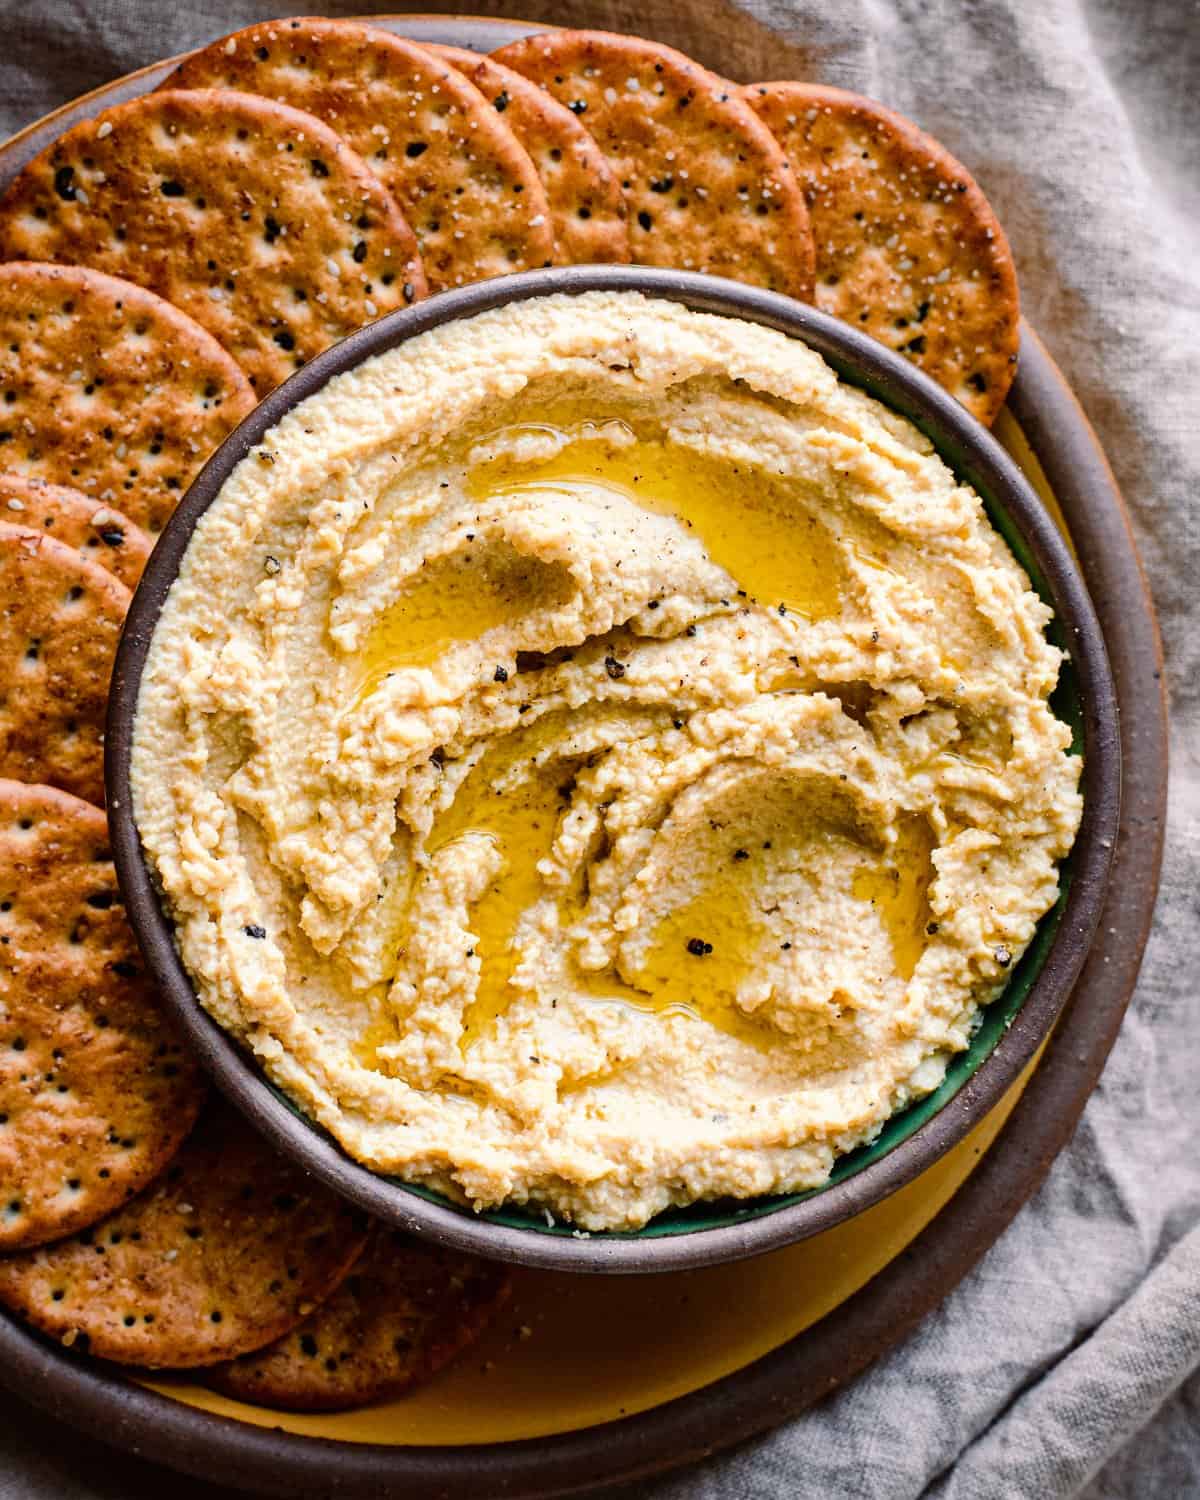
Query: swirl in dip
[[595, 758]]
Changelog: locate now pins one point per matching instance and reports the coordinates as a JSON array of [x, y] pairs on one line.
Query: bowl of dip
[[600, 760]]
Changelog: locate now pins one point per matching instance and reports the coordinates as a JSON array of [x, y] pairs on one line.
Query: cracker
[[97, 1090], [467, 188], [106, 387], [402, 1314], [227, 1250], [908, 248], [587, 206], [706, 185], [98, 533], [253, 217], [60, 621]]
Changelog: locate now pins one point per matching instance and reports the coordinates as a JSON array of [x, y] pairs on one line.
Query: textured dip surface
[[596, 759]]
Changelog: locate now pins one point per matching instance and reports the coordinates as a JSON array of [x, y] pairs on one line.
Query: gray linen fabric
[[1066, 1365]]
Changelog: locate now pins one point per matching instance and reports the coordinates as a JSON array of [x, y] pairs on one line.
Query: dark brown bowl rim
[[974, 454]]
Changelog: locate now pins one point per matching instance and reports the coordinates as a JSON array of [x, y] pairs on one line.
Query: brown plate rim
[[787, 1381]]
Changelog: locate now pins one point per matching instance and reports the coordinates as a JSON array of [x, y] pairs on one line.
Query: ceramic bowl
[[1011, 1028]]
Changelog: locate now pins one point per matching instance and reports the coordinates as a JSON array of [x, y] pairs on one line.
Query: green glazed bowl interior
[[1009, 1030]]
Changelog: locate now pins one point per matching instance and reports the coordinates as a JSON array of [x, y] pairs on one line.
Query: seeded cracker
[[96, 1088], [106, 387], [402, 1314], [60, 620], [467, 188], [254, 218], [908, 248], [227, 1250], [706, 185], [587, 206], [98, 533]]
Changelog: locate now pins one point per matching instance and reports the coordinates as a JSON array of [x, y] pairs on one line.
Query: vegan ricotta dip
[[596, 759]]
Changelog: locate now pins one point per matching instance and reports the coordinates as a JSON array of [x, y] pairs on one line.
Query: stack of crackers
[[162, 267]]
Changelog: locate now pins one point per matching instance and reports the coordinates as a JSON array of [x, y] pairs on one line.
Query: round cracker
[[253, 217], [60, 621], [98, 533], [106, 387], [97, 1090], [466, 186], [908, 248], [707, 187], [402, 1314], [587, 206], [227, 1250]]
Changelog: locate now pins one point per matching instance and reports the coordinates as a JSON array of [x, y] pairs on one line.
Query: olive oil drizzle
[[454, 601], [521, 820], [749, 524], [702, 951], [899, 892]]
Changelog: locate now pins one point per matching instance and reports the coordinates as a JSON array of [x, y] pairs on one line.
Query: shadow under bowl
[[1010, 1030]]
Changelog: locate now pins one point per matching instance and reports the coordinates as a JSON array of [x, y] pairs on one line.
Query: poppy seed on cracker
[[587, 206], [109, 389], [254, 218], [908, 248], [97, 1089], [459, 174], [60, 621], [99, 533], [706, 184], [224, 1252], [404, 1312]]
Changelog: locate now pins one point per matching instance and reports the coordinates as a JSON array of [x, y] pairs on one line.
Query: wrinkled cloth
[[1066, 1364]]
